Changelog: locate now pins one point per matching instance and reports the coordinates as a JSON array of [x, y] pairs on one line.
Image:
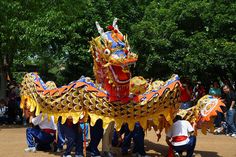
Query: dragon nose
[[120, 53]]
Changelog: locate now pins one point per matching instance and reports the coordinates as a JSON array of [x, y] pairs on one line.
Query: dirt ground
[[12, 144]]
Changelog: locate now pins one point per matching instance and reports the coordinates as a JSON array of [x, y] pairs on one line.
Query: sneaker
[[79, 156], [53, 147], [59, 150], [96, 156], [228, 134], [233, 135], [30, 149], [218, 130], [66, 156], [176, 154]]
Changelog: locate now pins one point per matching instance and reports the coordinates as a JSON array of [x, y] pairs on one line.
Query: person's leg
[[44, 140], [36, 137], [61, 136], [218, 119], [230, 121], [30, 134], [115, 138], [70, 135], [79, 142], [138, 135], [24, 121], [228, 129], [127, 139], [234, 120], [96, 133], [191, 146]]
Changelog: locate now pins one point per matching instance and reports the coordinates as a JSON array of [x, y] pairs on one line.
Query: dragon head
[[112, 57]]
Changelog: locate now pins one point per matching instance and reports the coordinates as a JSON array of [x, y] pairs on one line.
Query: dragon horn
[[101, 31], [99, 28], [115, 25]]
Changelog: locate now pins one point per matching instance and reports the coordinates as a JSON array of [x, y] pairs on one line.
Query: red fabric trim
[[170, 152], [49, 131], [179, 138]]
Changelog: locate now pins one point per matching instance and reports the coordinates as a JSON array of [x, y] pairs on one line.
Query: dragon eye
[[107, 52]]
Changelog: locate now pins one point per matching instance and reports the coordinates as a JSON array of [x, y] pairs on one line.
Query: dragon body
[[203, 113]]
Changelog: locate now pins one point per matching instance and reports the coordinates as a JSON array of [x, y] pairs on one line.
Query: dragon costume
[[109, 98], [114, 96], [203, 113]]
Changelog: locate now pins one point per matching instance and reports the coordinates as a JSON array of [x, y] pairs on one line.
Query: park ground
[[12, 144]]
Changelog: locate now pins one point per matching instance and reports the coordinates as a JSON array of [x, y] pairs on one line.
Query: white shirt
[[180, 128], [3, 111], [44, 123]]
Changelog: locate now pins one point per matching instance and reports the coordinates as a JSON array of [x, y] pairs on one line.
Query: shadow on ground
[[11, 126], [161, 150], [156, 150]]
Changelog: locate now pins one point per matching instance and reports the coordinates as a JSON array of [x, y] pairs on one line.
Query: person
[[12, 106], [96, 134], [42, 134], [74, 137], [3, 111], [198, 91], [185, 97], [215, 91], [117, 139], [60, 136], [181, 137], [229, 99], [138, 139]]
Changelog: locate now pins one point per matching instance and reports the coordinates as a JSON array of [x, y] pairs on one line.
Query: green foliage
[[193, 38]]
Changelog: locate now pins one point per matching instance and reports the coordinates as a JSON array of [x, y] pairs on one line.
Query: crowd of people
[[42, 136], [10, 112], [225, 123]]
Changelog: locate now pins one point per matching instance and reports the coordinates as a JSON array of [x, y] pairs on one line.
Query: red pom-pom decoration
[[110, 27], [115, 31]]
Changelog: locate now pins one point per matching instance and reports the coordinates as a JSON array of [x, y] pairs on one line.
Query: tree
[[195, 38], [188, 37]]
